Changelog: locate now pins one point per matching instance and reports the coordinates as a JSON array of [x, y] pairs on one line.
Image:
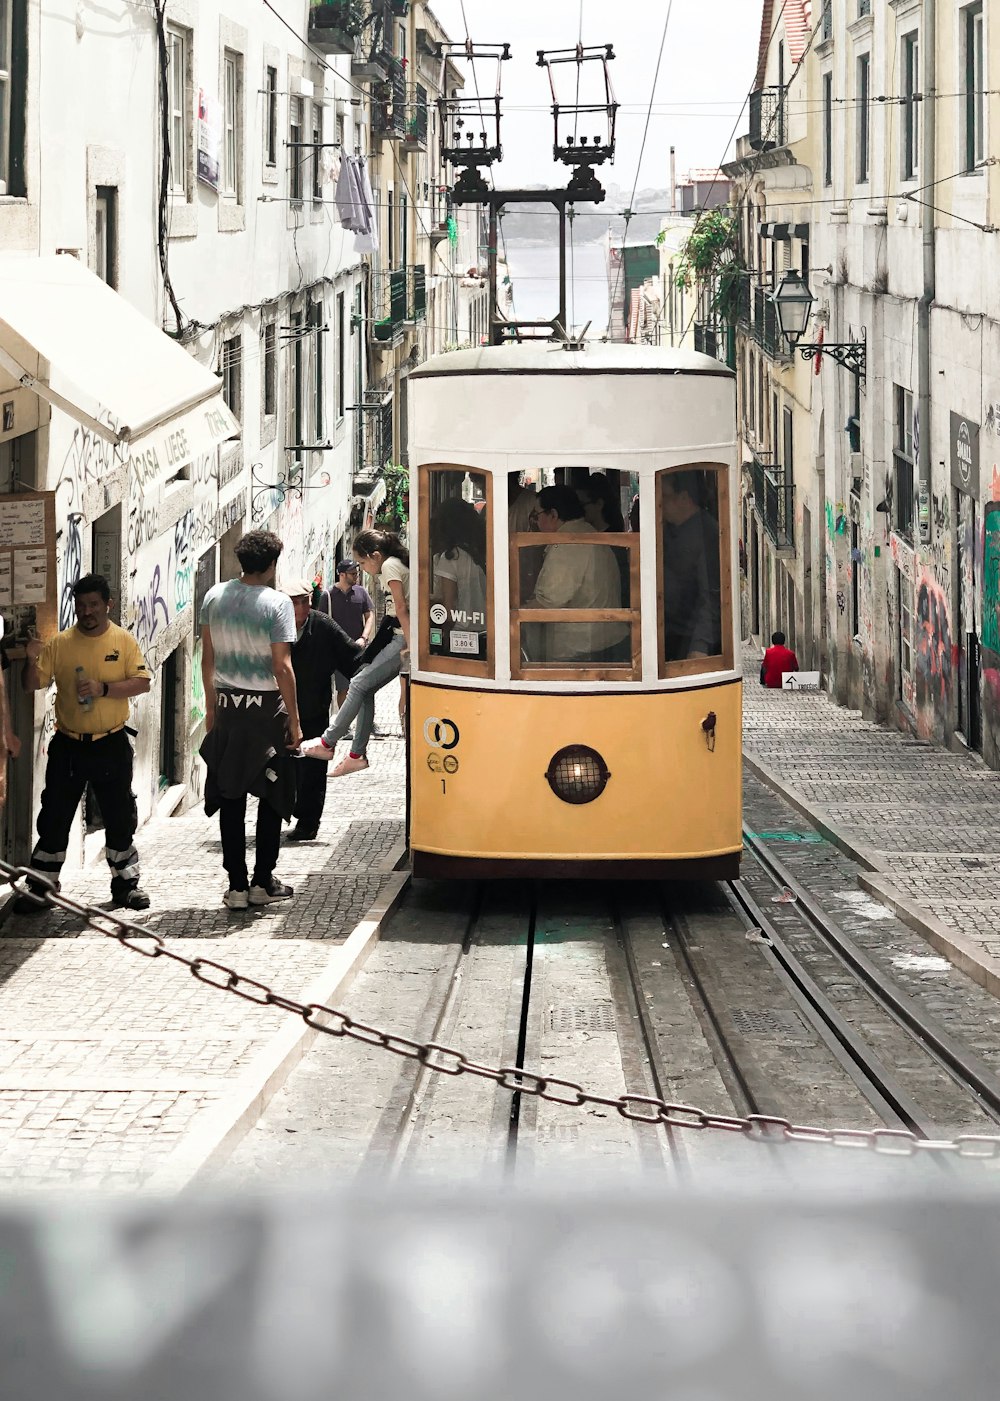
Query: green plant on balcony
[[711, 258], [346, 15], [394, 512]]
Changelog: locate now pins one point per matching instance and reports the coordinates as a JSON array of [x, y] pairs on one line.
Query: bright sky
[[707, 70]]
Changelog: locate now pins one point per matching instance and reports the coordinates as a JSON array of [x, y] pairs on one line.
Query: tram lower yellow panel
[[478, 761]]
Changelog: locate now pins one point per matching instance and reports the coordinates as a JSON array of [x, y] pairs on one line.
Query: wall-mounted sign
[[28, 556], [965, 454], [8, 416], [209, 138]]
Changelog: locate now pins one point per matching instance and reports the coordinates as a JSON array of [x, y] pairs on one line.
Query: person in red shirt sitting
[[777, 660]]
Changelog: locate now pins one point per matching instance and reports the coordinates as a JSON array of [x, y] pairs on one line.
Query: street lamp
[[792, 304]]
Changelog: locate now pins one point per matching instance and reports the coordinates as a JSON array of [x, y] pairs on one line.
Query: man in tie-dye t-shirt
[[251, 715]]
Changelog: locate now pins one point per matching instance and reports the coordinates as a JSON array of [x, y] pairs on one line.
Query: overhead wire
[[638, 168]]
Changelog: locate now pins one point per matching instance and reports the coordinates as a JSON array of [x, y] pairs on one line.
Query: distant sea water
[[534, 272]]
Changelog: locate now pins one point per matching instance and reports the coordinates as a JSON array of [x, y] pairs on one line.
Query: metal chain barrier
[[445, 1060]]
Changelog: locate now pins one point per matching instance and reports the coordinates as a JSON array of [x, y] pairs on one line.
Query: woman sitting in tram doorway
[[458, 545], [377, 552]]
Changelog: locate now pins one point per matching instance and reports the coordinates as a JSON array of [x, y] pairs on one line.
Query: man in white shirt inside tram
[[574, 576]]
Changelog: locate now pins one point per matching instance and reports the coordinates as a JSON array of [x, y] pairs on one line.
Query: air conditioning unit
[[300, 87]]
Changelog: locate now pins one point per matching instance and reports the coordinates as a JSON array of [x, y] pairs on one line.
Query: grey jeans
[[360, 700]]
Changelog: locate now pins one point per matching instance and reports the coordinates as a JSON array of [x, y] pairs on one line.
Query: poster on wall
[[965, 454], [209, 139], [28, 574]]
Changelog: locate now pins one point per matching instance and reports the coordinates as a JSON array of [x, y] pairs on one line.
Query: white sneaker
[[269, 894], [236, 899]]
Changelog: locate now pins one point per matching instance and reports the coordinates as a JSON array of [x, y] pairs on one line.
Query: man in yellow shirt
[[97, 667]]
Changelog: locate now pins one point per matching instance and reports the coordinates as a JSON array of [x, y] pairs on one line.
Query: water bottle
[[85, 701]]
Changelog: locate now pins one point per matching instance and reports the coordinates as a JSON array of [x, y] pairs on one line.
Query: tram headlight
[[577, 774]]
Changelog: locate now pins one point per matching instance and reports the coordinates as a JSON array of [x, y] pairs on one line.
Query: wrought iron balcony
[[388, 301], [706, 340], [766, 331], [774, 500], [416, 292], [389, 102], [415, 126], [373, 429], [768, 118], [335, 25], [373, 46]]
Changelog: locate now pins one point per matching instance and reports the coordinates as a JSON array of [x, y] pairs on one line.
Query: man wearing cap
[[351, 606], [321, 647]]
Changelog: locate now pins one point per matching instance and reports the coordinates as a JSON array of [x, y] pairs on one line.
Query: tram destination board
[[861, 1290]]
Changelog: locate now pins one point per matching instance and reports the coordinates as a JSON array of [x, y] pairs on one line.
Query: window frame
[[269, 367], [271, 116], [725, 660], [909, 87], [231, 366], [179, 122], [906, 639], [296, 126], [105, 232], [902, 456], [6, 90], [318, 125], [481, 668], [316, 321], [827, 130], [341, 352], [232, 95], [973, 55], [561, 671], [862, 93]]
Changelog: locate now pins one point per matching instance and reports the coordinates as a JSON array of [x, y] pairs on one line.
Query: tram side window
[[693, 529], [581, 567], [455, 556]]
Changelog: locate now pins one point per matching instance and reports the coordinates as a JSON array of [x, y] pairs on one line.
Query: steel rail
[[968, 1070]]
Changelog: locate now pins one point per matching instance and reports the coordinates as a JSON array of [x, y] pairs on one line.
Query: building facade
[[198, 180], [868, 169]]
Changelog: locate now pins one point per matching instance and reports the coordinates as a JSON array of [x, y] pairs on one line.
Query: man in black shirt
[[321, 647]]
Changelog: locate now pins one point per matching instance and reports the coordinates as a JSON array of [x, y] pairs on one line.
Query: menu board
[[28, 556]]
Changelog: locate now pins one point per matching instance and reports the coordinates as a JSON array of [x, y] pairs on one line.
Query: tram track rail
[[968, 1072]]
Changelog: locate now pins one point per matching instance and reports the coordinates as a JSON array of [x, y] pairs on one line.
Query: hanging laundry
[[367, 238], [354, 207]]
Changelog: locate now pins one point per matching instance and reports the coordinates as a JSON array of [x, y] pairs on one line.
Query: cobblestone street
[[926, 821], [109, 1060]]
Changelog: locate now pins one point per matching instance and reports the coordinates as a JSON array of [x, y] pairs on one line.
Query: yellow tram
[[575, 698]]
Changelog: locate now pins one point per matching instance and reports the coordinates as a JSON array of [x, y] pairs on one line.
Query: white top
[[577, 577], [470, 578], [394, 568]]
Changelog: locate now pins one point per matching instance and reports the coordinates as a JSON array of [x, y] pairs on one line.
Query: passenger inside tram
[[458, 549], [574, 577], [692, 608], [601, 498], [522, 510]]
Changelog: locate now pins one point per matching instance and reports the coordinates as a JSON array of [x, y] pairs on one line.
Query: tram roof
[[551, 357]]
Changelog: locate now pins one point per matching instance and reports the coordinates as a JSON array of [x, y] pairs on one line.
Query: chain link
[[445, 1060]]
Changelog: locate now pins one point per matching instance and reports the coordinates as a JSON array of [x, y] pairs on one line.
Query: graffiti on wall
[[991, 610], [162, 586], [933, 660]]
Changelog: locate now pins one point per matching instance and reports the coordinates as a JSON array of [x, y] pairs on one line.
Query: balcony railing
[[415, 126], [388, 293], [373, 429], [706, 340], [389, 102], [336, 25], [416, 292], [903, 494], [373, 46], [765, 324], [774, 499], [768, 113]]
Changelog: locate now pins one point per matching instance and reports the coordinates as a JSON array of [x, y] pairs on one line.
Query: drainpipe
[[928, 174]]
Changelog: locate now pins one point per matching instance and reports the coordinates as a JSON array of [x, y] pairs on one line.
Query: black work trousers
[[310, 777], [106, 764], [233, 828]]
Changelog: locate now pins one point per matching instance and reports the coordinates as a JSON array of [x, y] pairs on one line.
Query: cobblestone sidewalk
[[107, 1059], [927, 819]]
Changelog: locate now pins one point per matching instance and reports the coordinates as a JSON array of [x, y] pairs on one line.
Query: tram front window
[[694, 564], [578, 563], [455, 555]]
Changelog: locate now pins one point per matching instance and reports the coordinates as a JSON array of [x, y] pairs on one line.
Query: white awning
[[66, 335]]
